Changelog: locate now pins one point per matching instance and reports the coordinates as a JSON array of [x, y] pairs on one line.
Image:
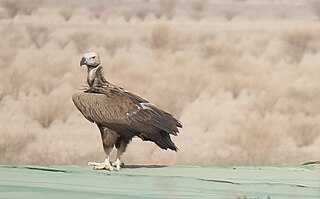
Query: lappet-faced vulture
[[121, 115]]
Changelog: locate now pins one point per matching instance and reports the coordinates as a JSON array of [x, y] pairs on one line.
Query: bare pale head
[[90, 59]]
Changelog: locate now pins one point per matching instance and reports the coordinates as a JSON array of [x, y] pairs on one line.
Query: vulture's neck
[[96, 77]]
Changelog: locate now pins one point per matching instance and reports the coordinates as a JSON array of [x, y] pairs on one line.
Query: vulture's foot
[[102, 165], [117, 164]]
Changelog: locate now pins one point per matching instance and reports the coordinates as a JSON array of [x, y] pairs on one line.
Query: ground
[[70, 181]]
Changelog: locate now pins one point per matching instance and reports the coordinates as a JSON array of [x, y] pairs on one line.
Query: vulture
[[121, 115]]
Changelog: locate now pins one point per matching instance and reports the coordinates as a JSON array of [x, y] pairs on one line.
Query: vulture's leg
[[121, 146], [109, 139]]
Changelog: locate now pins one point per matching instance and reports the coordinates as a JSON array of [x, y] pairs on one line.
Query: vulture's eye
[[94, 57]]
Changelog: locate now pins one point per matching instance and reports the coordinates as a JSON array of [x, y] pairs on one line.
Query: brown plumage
[[121, 115]]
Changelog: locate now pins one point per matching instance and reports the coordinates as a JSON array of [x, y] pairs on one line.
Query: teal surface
[[68, 181]]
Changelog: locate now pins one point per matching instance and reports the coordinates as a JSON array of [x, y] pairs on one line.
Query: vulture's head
[[90, 59]]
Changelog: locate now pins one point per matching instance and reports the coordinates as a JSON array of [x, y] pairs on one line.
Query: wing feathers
[[162, 139], [128, 114], [162, 120]]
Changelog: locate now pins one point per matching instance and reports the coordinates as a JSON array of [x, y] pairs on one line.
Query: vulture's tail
[[163, 140]]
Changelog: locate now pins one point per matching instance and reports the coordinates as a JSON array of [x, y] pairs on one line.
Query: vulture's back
[[128, 114]]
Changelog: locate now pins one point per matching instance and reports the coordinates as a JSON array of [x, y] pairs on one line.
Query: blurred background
[[241, 75]]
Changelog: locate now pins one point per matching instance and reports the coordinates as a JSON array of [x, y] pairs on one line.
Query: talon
[[101, 166], [92, 163], [117, 164]]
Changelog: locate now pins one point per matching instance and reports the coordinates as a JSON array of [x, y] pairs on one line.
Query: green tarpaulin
[[69, 181]]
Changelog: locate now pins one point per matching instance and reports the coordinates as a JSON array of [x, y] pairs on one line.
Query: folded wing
[[128, 114]]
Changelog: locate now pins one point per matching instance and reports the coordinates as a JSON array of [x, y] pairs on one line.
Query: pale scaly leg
[[117, 164], [102, 165], [109, 139], [121, 146]]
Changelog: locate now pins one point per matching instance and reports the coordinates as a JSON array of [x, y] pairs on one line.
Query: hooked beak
[[83, 61]]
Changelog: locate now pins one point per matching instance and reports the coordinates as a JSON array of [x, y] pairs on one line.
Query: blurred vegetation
[[241, 76]]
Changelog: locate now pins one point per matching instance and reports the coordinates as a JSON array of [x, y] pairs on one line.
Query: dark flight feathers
[[127, 114]]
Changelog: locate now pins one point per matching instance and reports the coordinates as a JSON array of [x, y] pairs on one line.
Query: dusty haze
[[241, 75]]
